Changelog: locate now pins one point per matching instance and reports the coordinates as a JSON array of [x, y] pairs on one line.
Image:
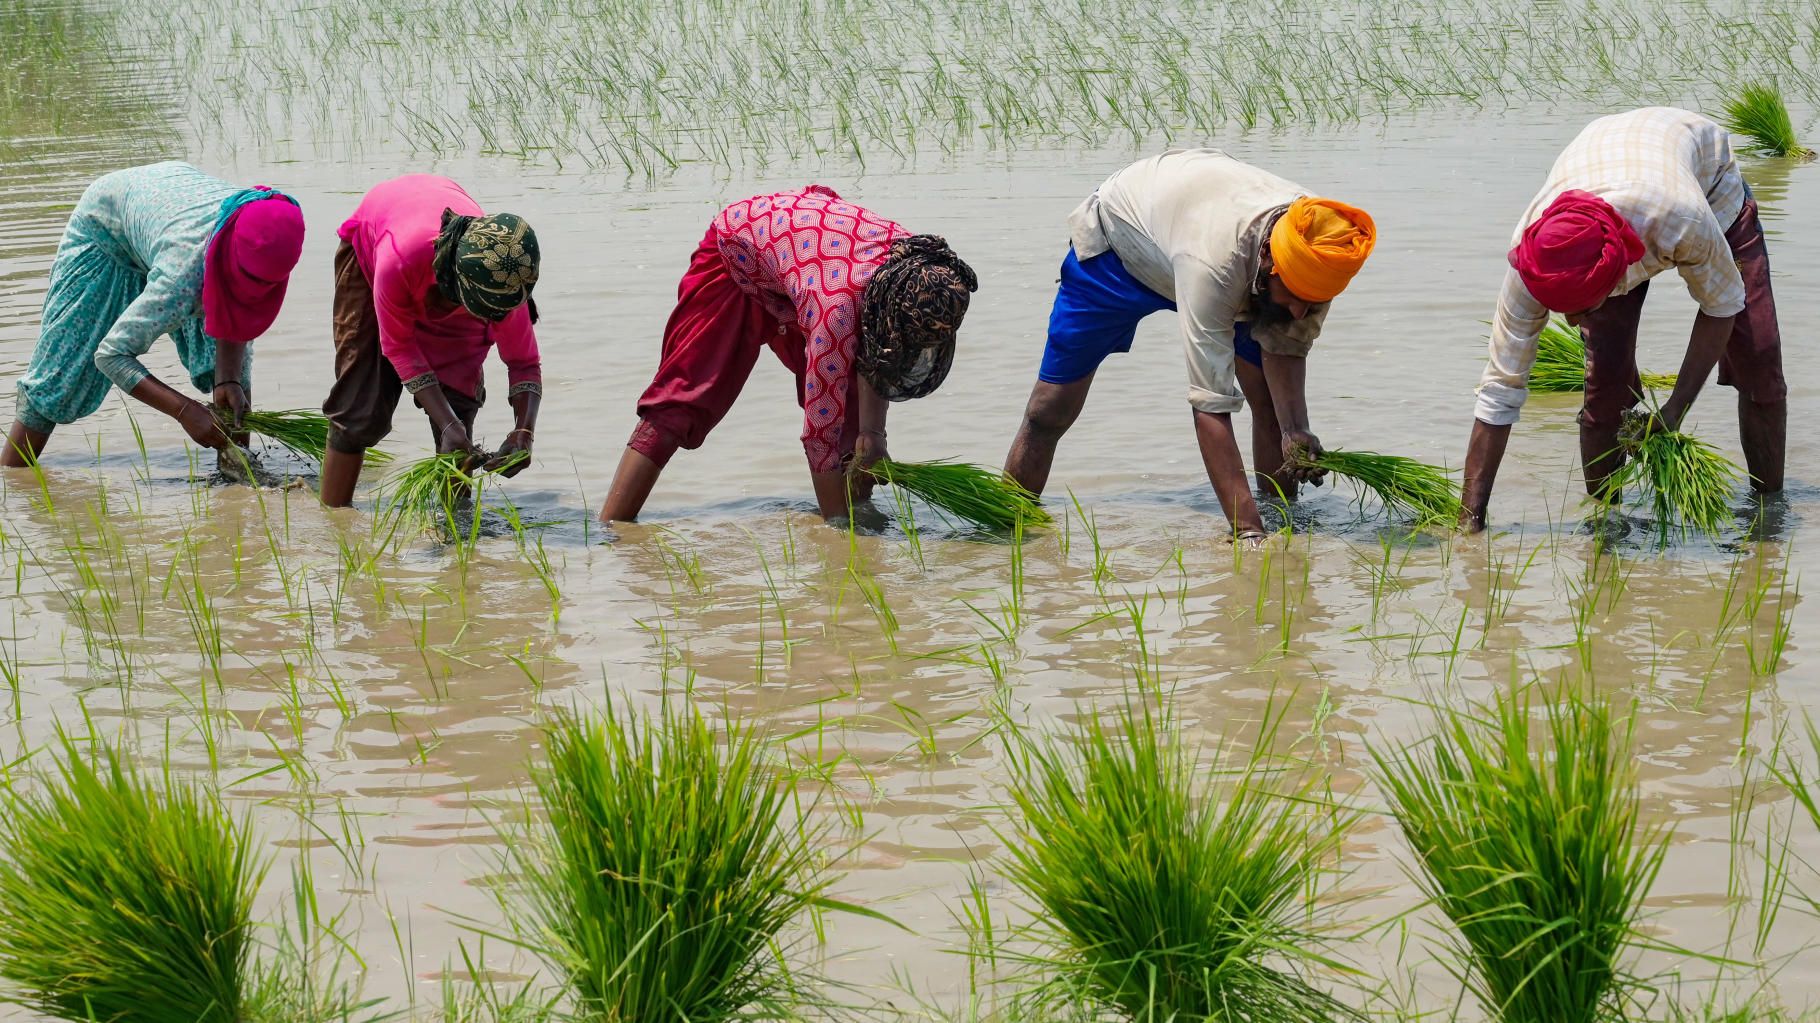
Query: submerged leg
[[1052, 409], [340, 473], [23, 445], [1763, 432]]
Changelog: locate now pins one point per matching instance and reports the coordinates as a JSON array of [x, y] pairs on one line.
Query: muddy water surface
[[380, 711]]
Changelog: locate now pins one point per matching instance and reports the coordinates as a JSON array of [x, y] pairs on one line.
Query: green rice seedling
[[1688, 481], [1759, 115], [667, 869], [1560, 366], [1159, 899], [1533, 847], [965, 493], [122, 899], [429, 492], [304, 431], [1426, 493]]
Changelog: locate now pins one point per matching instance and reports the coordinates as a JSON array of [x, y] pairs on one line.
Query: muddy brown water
[[404, 698]]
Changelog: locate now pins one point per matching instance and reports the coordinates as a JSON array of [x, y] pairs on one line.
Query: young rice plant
[[671, 861], [121, 899], [965, 493], [1688, 481], [1532, 846], [1759, 115], [1425, 493], [1164, 897]]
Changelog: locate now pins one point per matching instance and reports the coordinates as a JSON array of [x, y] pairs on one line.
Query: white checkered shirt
[[1671, 174]]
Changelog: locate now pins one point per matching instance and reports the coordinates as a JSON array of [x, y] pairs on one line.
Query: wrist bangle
[[880, 434], [235, 383], [527, 431]]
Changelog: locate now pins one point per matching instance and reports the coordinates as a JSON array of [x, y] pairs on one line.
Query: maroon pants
[[711, 343], [1751, 362]]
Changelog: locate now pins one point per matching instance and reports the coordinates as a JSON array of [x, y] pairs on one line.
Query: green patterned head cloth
[[488, 264]]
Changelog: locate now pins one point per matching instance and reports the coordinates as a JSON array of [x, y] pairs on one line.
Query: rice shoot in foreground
[[1426, 493], [1688, 482], [1533, 847], [124, 900], [430, 492], [1760, 115], [1163, 897], [1560, 366], [668, 862], [965, 493]]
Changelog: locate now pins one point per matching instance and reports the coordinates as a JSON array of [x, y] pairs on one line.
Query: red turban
[[1576, 252]]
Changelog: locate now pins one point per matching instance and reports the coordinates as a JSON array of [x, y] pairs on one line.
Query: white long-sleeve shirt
[[1190, 225], [1671, 175]]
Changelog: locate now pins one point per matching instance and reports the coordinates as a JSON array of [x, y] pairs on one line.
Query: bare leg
[[22, 446], [632, 483], [1266, 433], [1763, 432], [1052, 409], [1599, 454], [340, 472]]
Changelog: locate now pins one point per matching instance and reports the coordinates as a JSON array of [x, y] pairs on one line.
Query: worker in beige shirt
[[1633, 195], [1249, 262]]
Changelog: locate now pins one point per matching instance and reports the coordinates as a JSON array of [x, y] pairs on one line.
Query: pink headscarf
[[1576, 252], [248, 264]]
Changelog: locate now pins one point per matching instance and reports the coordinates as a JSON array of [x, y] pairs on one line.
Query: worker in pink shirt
[[425, 283]]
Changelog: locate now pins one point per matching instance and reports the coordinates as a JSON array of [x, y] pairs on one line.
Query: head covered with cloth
[[1576, 252], [910, 315], [257, 240], [488, 265], [1317, 245]]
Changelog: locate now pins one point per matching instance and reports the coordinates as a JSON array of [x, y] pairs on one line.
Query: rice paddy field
[[1110, 768]]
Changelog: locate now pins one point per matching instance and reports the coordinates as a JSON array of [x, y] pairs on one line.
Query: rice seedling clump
[[121, 899], [1560, 366], [1160, 902], [1423, 492], [1759, 115], [668, 868], [1688, 481], [965, 493], [304, 431], [1533, 848]]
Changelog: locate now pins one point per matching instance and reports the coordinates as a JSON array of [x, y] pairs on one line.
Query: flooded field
[[377, 706]]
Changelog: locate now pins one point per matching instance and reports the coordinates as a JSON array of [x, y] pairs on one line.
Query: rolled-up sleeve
[[161, 308], [1704, 259], [1207, 311], [1504, 386], [517, 343]]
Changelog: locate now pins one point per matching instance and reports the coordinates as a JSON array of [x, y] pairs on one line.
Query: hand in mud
[[513, 455], [1300, 450], [232, 405], [454, 440], [200, 423]]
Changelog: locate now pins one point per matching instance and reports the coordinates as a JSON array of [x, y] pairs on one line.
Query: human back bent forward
[[426, 284], [1249, 262], [1632, 196], [862, 312], [149, 251]]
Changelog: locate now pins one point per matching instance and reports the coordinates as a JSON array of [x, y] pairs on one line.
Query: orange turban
[[1318, 244]]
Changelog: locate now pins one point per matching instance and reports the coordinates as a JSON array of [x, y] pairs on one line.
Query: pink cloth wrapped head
[[1576, 252], [248, 265]]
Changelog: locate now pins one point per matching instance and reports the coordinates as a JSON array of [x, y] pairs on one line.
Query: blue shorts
[[1096, 312]]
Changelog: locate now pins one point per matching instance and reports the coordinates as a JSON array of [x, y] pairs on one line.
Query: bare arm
[[1226, 471], [1704, 346], [1484, 452]]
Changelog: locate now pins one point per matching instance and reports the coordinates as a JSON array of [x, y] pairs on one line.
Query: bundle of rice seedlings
[[1162, 897], [1426, 493], [430, 492], [124, 900], [965, 493], [1759, 115], [1533, 849], [304, 431], [1560, 366], [1688, 481], [669, 864]]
